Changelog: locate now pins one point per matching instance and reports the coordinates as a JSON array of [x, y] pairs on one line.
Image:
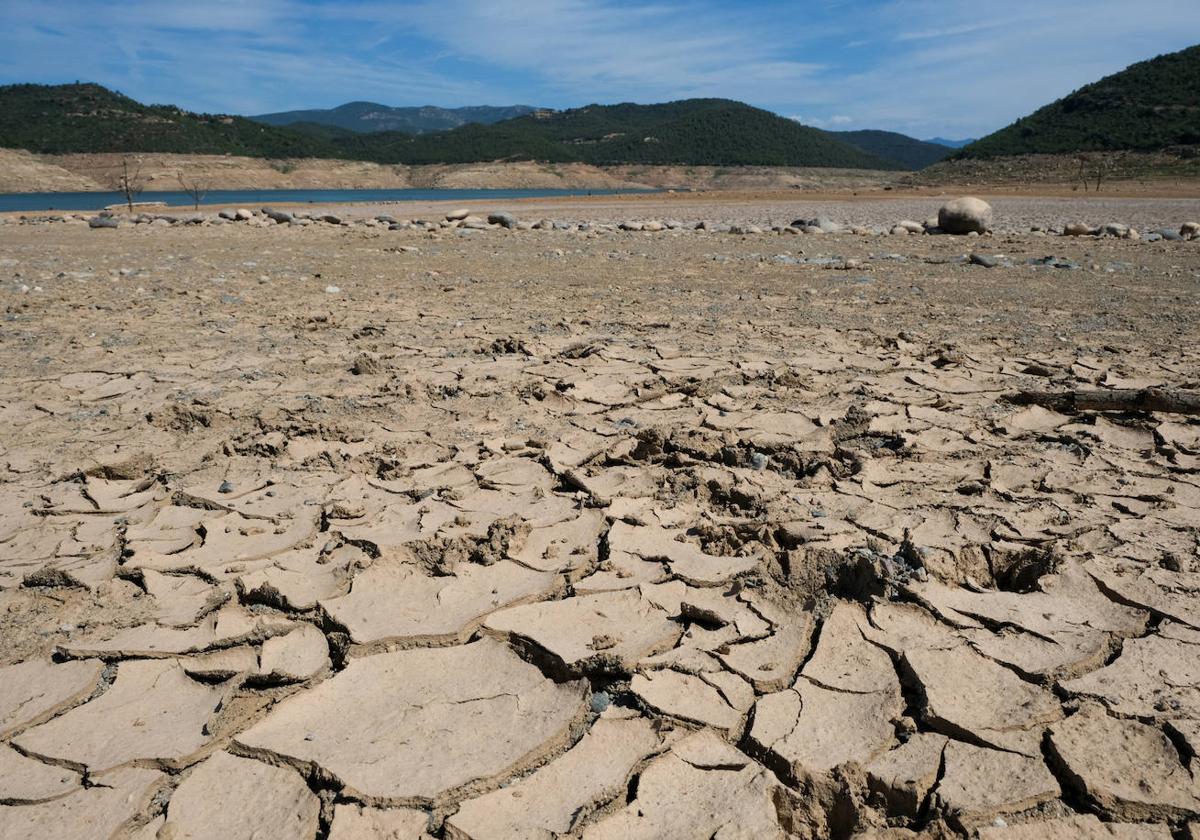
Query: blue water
[[15, 202]]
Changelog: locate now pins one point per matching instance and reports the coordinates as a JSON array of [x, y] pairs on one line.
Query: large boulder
[[965, 215], [1190, 230], [505, 220]]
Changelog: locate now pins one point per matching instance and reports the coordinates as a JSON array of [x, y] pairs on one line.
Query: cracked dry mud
[[556, 534]]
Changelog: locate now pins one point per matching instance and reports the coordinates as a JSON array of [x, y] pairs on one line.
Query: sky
[[948, 68]]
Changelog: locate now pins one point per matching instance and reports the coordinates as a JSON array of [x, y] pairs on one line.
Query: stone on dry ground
[[763, 491]]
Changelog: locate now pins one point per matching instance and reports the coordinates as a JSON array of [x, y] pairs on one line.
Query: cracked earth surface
[[618, 535]]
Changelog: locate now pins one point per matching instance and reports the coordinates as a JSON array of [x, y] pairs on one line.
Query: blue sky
[[924, 67]]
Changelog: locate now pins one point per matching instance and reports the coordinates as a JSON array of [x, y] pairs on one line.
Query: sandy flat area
[[335, 531]]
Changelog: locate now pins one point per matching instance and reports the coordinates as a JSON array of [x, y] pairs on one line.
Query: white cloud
[[925, 67]]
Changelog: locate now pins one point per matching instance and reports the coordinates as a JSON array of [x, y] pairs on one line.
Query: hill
[[718, 132], [692, 131], [371, 116], [54, 119], [1149, 106], [912, 153]]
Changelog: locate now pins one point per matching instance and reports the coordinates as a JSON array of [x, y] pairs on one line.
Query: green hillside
[[1148, 106], [692, 131], [90, 118], [912, 153]]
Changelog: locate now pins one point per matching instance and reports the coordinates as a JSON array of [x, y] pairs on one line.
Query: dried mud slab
[[24, 780], [358, 822], [554, 799], [969, 697], [113, 802], [701, 787], [227, 796], [1137, 775], [395, 601], [1086, 827], [153, 713], [33, 691], [979, 784], [607, 632], [841, 708], [410, 726]]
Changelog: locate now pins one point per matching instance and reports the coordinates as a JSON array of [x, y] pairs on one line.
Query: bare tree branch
[[194, 186], [128, 184]]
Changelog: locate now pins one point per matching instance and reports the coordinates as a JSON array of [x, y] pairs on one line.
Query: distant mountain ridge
[[912, 153], [951, 144], [705, 132], [371, 116], [1149, 106]]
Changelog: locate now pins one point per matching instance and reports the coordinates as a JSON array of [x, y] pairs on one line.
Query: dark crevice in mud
[[327, 793], [910, 691], [928, 807], [1021, 573], [1073, 789], [1156, 616], [1179, 741]]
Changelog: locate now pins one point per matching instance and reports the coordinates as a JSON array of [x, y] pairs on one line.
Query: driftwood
[[1166, 400]]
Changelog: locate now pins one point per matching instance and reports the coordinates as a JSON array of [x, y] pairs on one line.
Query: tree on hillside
[[128, 181], [193, 186]]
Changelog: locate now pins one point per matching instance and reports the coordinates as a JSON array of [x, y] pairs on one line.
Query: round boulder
[[965, 215], [458, 215]]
